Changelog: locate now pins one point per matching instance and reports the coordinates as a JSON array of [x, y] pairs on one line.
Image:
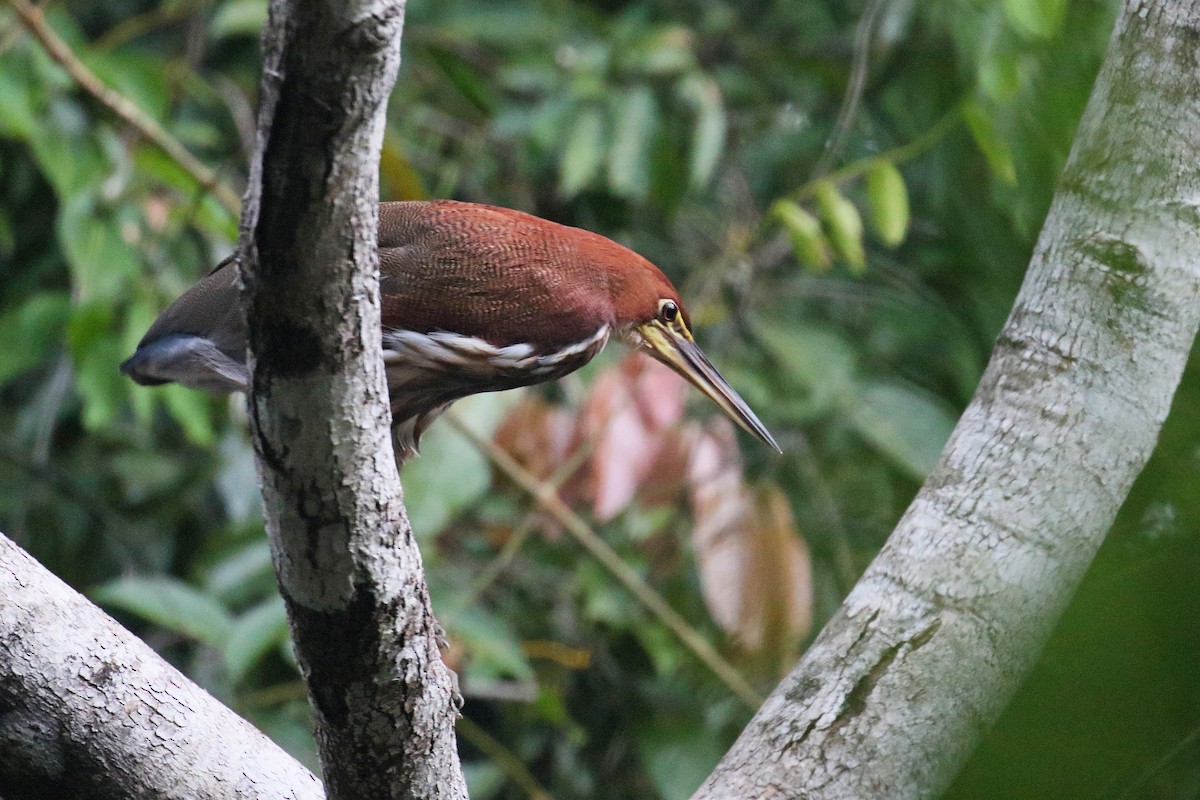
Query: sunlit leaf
[[887, 199], [170, 604], [665, 50], [635, 119], [583, 154], [238, 18], [1036, 18], [708, 137], [808, 240], [1000, 77], [844, 224]]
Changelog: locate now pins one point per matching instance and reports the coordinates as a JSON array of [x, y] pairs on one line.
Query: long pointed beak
[[679, 352]]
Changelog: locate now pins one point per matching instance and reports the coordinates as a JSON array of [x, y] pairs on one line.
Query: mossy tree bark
[[929, 646]]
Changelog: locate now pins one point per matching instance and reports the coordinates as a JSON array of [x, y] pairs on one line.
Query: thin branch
[[35, 22], [515, 542], [896, 155], [854, 87], [547, 496]]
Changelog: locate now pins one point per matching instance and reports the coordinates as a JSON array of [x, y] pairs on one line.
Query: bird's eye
[[668, 311]]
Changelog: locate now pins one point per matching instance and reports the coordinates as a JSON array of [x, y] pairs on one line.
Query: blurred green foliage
[[852, 296]]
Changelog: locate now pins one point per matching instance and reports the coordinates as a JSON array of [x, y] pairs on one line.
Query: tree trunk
[[931, 643], [348, 566], [88, 710]]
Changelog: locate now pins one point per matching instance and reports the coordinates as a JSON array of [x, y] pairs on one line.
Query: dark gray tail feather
[[188, 359]]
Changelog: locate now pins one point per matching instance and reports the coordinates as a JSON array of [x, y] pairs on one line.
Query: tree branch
[[88, 710], [348, 565], [35, 22], [929, 646]]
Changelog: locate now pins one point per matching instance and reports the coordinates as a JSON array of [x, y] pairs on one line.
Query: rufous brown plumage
[[475, 298]]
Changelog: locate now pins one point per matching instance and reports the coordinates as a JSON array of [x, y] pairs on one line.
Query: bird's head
[[651, 317]]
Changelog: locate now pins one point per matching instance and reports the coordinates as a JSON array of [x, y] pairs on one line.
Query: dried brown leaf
[[754, 567]]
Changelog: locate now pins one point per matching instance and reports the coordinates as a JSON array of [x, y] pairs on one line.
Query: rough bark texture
[[348, 566], [87, 710], [931, 643]]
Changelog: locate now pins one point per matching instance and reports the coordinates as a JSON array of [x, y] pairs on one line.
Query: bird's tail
[[199, 341]]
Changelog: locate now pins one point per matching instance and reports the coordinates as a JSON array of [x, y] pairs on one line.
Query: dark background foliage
[[850, 292]]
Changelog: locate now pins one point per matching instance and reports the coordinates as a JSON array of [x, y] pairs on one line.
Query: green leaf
[[887, 199], [493, 650], [708, 139], [100, 384], [243, 573], [70, 159], [678, 755], [844, 224], [905, 424], [817, 365], [450, 473], [505, 25], [19, 106], [28, 331], [808, 240], [1036, 19], [636, 120], [190, 409], [147, 473], [987, 139], [464, 77], [238, 18], [170, 604], [252, 635], [583, 154], [101, 261], [666, 50], [140, 79], [237, 479], [1000, 77]]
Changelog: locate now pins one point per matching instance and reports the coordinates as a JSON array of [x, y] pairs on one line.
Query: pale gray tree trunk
[[348, 566], [931, 643], [88, 710]]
